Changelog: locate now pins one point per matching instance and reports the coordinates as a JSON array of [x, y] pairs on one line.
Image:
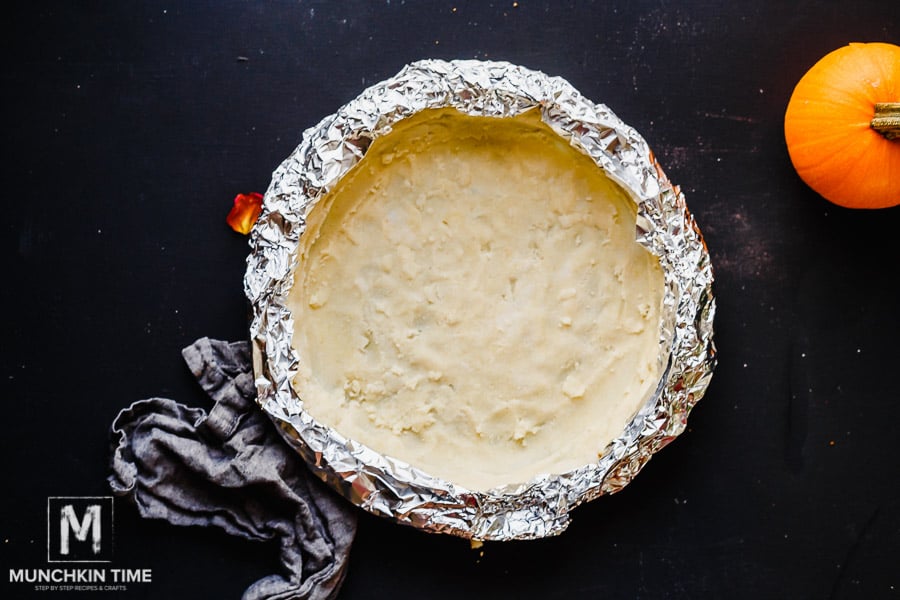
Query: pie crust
[[470, 299]]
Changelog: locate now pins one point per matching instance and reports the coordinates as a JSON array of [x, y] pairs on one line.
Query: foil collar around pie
[[391, 488]]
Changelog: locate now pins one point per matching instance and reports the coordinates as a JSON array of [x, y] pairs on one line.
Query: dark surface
[[128, 128]]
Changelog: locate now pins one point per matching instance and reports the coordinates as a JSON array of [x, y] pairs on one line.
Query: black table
[[130, 126]]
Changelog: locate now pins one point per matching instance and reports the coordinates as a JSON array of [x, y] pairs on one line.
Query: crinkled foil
[[389, 487]]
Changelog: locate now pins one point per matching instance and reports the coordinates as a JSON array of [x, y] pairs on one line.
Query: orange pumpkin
[[842, 126]]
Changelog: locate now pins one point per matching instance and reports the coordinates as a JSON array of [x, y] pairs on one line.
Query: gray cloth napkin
[[231, 469]]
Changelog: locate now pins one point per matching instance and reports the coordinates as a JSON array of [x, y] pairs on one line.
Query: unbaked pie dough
[[470, 299]]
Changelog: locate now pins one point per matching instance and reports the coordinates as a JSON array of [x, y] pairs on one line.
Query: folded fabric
[[231, 469]]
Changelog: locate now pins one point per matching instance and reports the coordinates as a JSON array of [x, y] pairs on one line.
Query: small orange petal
[[245, 211]]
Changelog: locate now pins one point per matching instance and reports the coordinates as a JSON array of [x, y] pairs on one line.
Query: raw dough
[[470, 299]]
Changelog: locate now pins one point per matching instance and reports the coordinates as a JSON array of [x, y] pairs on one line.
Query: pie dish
[[478, 301]]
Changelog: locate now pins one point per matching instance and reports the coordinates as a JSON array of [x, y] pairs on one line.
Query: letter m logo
[[79, 529], [90, 524]]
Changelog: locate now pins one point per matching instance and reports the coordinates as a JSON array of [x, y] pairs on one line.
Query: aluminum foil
[[393, 489]]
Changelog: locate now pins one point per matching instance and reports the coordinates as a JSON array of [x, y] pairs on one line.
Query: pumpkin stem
[[887, 119]]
